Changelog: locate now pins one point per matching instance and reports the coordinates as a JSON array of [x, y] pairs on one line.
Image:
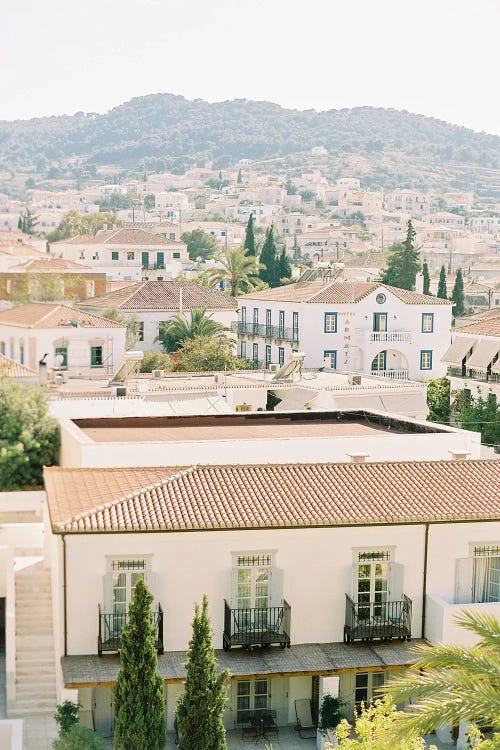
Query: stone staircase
[[35, 660]]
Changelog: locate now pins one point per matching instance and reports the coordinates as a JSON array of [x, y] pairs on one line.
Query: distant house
[[70, 340], [125, 253], [153, 302], [50, 279]]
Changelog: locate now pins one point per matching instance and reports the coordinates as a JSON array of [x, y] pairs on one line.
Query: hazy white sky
[[434, 57]]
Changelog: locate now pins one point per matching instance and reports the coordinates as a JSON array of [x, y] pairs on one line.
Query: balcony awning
[[457, 351], [484, 352], [302, 659], [496, 366]]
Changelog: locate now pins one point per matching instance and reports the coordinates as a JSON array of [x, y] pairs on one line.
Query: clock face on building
[[380, 298]]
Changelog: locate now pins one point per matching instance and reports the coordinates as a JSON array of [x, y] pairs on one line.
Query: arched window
[[380, 361]]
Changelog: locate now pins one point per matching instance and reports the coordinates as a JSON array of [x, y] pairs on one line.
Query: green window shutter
[[95, 356]]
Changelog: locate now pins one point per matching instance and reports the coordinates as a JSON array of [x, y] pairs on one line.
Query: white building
[[125, 254], [153, 302], [403, 534], [473, 358], [70, 340], [362, 327]]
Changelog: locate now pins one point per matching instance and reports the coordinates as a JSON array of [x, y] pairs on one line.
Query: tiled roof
[[49, 264], [280, 496], [300, 659], [338, 293], [487, 327], [120, 237], [44, 315], [11, 369], [164, 295]]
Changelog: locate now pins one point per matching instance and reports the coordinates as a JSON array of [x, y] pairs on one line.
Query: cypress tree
[[138, 693], [269, 274], [457, 295], [240, 178], [403, 263], [201, 707], [442, 292], [427, 279], [249, 244], [285, 269]]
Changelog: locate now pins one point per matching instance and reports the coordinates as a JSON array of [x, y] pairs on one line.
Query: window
[[172, 237], [96, 356], [145, 260], [366, 686], [330, 357], [160, 260], [61, 351], [125, 575], [268, 355], [281, 323], [255, 352], [379, 362], [295, 325], [427, 322], [268, 322], [478, 576], [426, 359], [380, 322], [256, 320], [330, 322], [176, 255], [244, 315], [250, 696], [243, 349], [140, 330], [281, 355], [130, 255], [2, 347], [21, 353]]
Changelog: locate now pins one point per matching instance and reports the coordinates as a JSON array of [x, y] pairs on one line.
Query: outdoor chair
[[307, 728], [269, 725]]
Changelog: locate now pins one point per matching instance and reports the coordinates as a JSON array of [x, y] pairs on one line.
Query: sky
[[433, 57]]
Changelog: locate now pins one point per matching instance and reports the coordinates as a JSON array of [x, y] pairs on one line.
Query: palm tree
[[175, 331], [240, 271], [450, 684]]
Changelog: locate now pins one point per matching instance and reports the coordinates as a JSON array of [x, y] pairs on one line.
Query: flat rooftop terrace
[[254, 426]]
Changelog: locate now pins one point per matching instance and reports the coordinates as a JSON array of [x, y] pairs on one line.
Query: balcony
[[470, 374], [278, 333], [441, 626], [153, 267], [381, 620], [256, 627], [111, 627], [397, 374], [390, 337]]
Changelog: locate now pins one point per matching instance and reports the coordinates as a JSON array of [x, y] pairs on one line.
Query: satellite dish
[[58, 360]]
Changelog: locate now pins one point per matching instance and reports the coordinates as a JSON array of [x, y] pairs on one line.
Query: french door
[[251, 695]]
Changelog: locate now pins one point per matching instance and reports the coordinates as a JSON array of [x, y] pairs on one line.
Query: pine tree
[[427, 279], [403, 263], [270, 273], [457, 295], [442, 292], [249, 244], [239, 180], [285, 269], [201, 707], [138, 693]]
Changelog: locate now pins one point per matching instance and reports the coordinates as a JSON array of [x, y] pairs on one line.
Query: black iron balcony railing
[[384, 620], [257, 627], [469, 373], [111, 627], [279, 333], [153, 266]]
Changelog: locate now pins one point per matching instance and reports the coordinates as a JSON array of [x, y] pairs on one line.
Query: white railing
[[392, 374], [395, 337]]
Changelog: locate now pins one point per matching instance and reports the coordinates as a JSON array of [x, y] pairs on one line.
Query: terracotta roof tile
[[164, 295], [487, 327], [124, 236], [275, 496], [45, 315], [338, 293]]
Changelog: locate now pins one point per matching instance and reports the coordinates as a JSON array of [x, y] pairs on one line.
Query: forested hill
[[163, 131]]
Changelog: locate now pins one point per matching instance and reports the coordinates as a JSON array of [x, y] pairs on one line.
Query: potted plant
[[330, 717]]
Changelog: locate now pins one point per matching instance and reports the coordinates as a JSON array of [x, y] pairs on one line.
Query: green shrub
[[66, 716], [79, 738]]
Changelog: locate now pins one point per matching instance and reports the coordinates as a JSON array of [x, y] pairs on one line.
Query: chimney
[[419, 283], [358, 457], [459, 455]]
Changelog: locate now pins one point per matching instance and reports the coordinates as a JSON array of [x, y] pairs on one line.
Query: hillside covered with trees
[[164, 131]]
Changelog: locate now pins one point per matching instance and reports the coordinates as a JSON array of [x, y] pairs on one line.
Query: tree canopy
[[174, 332], [29, 438], [442, 291], [438, 400], [74, 223], [457, 295], [138, 693], [269, 273], [249, 243], [239, 272], [201, 707], [206, 354], [403, 263], [200, 244], [427, 279]]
